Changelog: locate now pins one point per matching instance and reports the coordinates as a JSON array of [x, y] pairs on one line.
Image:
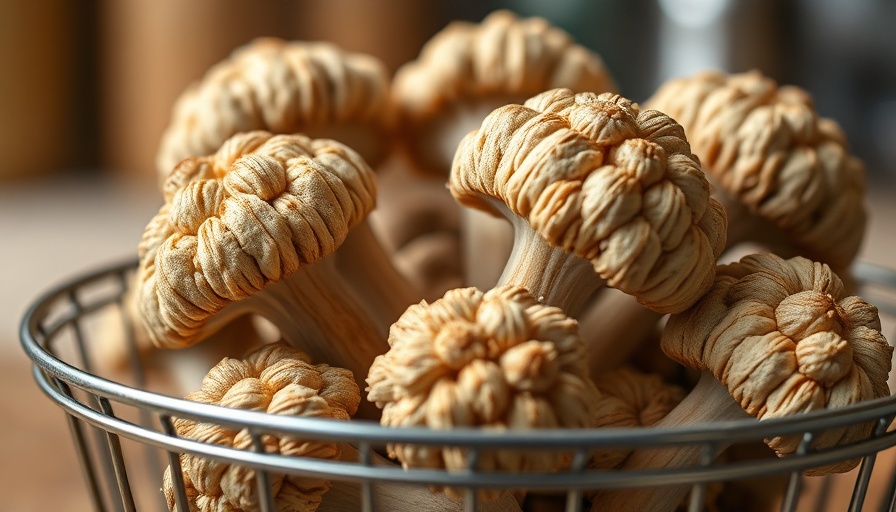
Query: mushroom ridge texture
[[504, 56], [253, 213], [276, 379], [767, 148], [785, 339], [630, 398], [498, 360], [605, 181], [278, 86]]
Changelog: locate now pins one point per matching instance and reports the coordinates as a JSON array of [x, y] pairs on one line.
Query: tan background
[[85, 91]]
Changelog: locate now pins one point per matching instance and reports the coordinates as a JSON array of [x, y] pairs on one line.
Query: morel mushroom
[[463, 73], [276, 379], [783, 173], [497, 360], [283, 87], [255, 229], [599, 193], [773, 338]]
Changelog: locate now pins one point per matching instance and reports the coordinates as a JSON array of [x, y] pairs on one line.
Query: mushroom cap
[[253, 213], [785, 339], [276, 379], [767, 147], [605, 181], [282, 87], [630, 398], [497, 360], [504, 57]]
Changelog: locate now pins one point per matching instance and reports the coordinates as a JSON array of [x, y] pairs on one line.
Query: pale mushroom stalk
[[486, 241], [369, 270], [258, 227], [782, 338], [630, 399], [464, 72], [551, 274], [599, 193], [316, 309], [608, 318]]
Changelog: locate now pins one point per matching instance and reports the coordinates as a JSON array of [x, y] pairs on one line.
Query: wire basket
[[124, 435]]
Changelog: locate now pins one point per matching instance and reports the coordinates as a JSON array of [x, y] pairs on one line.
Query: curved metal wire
[[78, 391]]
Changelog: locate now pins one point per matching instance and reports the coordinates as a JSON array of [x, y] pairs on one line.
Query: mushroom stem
[[615, 325], [486, 243], [709, 401], [552, 275], [316, 311], [364, 263], [485, 239]]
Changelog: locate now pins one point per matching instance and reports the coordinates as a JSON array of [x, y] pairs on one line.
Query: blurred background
[[86, 89]]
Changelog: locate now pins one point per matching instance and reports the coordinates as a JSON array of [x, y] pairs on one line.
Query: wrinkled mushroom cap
[[608, 182], [497, 360], [281, 87], [276, 379], [629, 399], [251, 214], [503, 59], [785, 339], [768, 148]]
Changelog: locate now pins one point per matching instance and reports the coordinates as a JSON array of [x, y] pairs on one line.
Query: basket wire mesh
[[121, 428]]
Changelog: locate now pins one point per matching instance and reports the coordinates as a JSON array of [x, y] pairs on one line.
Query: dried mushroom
[[784, 174], [255, 228], [464, 72], [467, 69], [599, 193], [630, 398], [498, 360], [785, 339], [773, 337], [276, 379], [283, 87]]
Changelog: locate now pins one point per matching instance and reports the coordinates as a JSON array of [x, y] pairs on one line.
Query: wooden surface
[[56, 230]]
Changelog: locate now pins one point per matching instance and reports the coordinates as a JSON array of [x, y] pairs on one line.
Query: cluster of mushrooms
[[573, 259]]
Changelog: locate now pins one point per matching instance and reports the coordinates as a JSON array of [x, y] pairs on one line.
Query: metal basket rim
[[468, 437]]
